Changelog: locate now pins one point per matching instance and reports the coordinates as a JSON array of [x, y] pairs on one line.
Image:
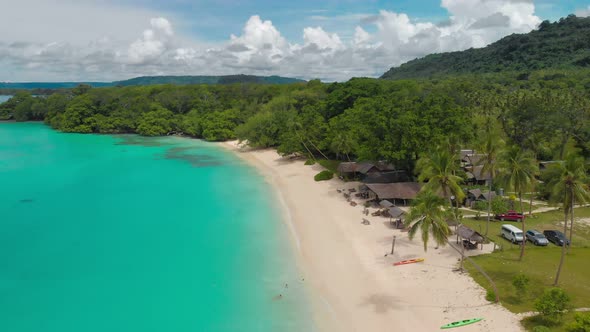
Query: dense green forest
[[564, 44], [46, 88], [365, 119]]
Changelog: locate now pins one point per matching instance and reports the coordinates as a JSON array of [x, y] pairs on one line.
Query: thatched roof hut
[[394, 191], [395, 212], [469, 234], [386, 204]]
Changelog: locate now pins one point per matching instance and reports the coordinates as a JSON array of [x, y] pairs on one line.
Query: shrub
[[309, 162], [323, 176], [581, 323], [521, 283], [541, 328], [552, 304], [490, 296], [499, 205], [480, 205]]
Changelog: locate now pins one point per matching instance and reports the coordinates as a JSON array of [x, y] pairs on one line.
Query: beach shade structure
[[469, 237], [386, 204], [395, 215]]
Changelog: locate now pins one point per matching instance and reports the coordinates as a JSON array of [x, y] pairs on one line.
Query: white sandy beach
[[353, 285]]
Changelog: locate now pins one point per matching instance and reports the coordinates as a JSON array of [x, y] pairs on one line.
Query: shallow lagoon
[[124, 233]]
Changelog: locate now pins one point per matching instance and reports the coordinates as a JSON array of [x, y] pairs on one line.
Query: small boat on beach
[[408, 261], [461, 323]]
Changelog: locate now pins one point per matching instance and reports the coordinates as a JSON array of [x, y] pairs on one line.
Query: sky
[[333, 40]]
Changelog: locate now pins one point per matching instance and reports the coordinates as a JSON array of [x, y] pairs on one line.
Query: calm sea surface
[[4, 98], [123, 233]]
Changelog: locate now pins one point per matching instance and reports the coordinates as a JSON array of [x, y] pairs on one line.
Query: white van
[[512, 233]]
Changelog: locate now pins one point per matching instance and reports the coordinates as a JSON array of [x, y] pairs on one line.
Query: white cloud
[[583, 12], [361, 37], [262, 49], [321, 39], [154, 43]]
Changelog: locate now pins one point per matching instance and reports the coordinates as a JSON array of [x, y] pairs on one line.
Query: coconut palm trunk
[[489, 206], [531, 203], [571, 223], [563, 248], [523, 243]]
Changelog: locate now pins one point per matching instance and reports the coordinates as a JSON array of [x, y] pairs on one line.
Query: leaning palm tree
[[343, 144], [517, 170], [568, 184], [429, 216], [439, 168], [491, 149]]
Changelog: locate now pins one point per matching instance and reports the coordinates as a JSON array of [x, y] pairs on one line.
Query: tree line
[[362, 119]]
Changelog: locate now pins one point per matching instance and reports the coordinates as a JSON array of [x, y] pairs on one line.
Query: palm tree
[[429, 216], [342, 144], [439, 168], [569, 185], [517, 170], [491, 148]]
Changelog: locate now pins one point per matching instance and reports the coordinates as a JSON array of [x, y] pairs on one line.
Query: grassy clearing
[[539, 264]]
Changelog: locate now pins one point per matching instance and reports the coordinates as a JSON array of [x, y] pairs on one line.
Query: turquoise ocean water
[[4, 98], [123, 233]]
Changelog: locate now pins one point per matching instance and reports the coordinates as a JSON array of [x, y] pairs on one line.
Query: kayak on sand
[[409, 261], [461, 323]]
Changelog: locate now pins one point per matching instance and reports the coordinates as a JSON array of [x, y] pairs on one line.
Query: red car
[[510, 215]]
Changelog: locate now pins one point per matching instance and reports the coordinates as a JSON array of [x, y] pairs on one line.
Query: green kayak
[[461, 323]]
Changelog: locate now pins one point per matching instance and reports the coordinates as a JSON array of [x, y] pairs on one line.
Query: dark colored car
[[536, 237], [510, 215], [556, 237]]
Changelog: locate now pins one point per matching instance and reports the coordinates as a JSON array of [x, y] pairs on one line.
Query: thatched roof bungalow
[[395, 192], [475, 175], [378, 172], [478, 195]]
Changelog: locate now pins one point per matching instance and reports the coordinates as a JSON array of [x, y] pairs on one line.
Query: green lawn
[[525, 207], [539, 264]]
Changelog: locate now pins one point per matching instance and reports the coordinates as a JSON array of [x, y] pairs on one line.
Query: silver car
[[536, 237]]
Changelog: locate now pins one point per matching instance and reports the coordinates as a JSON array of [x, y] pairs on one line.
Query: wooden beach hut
[[401, 192], [470, 238], [396, 216]]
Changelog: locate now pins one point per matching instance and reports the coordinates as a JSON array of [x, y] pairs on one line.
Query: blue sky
[[328, 39], [216, 20]]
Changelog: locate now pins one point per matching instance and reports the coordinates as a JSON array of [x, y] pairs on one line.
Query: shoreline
[[347, 267]]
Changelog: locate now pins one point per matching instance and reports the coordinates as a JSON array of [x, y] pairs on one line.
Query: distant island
[[563, 45], [155, 80]]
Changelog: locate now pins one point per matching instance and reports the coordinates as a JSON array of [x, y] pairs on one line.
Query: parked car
[[536, 237], [511, 216], [512, 233], [556, 237]]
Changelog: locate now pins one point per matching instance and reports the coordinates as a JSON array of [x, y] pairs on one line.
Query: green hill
[[153, 80], [564, 44], [49, 85], [185, 80]]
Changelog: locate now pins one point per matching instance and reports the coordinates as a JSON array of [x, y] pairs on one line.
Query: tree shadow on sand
[[381, 303]]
